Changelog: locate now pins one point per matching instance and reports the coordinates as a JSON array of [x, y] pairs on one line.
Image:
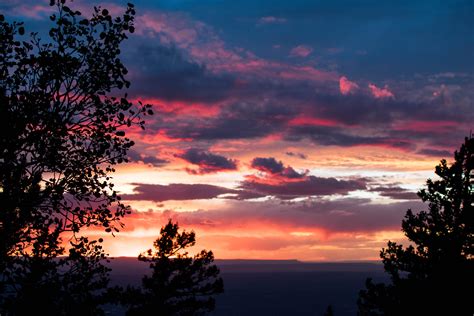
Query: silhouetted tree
[[61, 133], [179, 284], [434, 276], [73, 285], [329, 311]]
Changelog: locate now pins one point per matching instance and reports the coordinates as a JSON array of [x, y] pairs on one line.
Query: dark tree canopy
[[329, 311], [179, 284], [434, 275], [62, 130]]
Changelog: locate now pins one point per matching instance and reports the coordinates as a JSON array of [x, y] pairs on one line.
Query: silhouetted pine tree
[[434, 275], [179, 284]]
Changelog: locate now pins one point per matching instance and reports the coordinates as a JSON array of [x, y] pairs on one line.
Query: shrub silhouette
[[434, 275], [62, 130], [179, 284]]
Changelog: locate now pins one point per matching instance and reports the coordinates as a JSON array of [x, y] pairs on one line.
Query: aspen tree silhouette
[[433, 275], [62, 130]]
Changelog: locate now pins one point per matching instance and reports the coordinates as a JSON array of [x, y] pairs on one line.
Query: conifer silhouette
[[179, 284], [433, 275]]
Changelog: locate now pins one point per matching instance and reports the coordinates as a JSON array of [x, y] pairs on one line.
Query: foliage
[[329, 311], [433, 276], [62, 131], [179, 284], [72, 285]]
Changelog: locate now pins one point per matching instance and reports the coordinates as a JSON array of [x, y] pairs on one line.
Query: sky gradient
[[287, 129]]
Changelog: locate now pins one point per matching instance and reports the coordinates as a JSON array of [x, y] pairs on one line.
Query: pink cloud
[[197, 109], [41, 12], [308, 120], [301, 51], [380, 93], [35, 12], [262, 68], [346, 86], [199, 40], [425, 126], [306, 73], [170, 28], [205, 46]]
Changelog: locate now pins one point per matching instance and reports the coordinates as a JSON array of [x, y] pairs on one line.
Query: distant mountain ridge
[[273, 287], [131, 266]]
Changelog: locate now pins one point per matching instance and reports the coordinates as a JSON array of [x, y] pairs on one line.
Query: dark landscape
[[273, 287]]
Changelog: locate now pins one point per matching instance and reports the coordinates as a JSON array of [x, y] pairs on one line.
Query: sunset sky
[[287, 129]]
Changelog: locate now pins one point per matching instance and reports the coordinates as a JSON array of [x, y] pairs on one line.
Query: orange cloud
[[251, 239]]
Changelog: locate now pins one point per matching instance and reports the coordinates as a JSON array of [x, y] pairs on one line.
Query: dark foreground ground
[[274, 287]]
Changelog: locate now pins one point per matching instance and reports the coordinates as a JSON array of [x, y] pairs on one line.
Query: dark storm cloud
[[181, 192], [135, 156], [286, 183], [235, 121], [351, 109], [257, 101], [253, 106], [309, 186], [355, 120], [280, 182], [175, 191], [273, 167], [435, 152], [165, 72], [207, 162], [330, 136], [362, 108], [267, 165], [395, 192]]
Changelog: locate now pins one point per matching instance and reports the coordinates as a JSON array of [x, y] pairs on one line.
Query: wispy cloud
[[380, 93], [271, 20], [301, 51]]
